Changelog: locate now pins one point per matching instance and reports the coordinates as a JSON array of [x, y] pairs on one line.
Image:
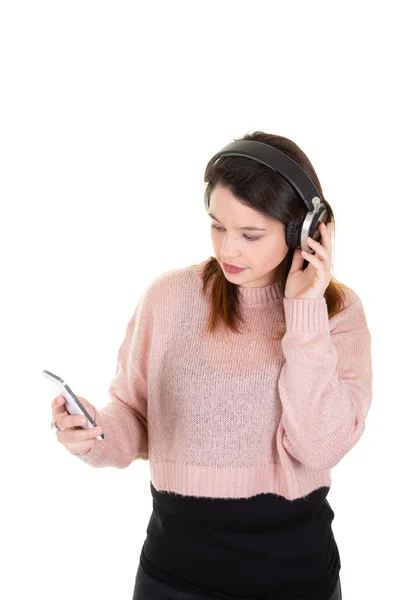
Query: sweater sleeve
[[325, 385], [124, 419]]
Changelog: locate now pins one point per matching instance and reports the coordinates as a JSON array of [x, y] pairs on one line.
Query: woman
[[243, 388]]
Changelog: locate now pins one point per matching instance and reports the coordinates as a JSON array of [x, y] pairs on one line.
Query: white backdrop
[[109, 114]]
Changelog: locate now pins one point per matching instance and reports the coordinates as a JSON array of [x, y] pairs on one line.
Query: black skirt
[[147, 588]]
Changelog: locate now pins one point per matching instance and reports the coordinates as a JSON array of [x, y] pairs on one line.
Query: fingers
[[65, 420], [77, 440], [74, 436], [58, 409], [58, 406], [319, 248]]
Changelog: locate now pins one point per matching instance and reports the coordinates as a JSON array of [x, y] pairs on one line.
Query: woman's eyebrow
[[242, 228]]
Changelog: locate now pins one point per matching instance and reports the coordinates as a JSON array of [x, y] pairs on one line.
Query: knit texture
[[233, 415]]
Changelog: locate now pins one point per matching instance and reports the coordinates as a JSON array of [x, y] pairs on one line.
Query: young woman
[[243, 388]]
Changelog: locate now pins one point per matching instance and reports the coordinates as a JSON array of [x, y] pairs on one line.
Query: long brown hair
[[268, 192]]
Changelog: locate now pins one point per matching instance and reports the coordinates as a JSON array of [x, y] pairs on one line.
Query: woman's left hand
[[313, 281]]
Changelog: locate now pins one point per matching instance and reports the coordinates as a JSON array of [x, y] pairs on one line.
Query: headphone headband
[[276, 160]]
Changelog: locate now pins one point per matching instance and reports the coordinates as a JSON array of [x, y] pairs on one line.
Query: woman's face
[[260, 255]]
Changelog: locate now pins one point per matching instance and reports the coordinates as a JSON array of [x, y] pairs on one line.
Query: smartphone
[[73, 405]]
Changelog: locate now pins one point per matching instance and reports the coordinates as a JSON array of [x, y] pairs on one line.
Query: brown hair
[[268, 192]]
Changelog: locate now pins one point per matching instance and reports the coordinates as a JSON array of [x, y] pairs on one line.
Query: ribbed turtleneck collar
[[259, 296]]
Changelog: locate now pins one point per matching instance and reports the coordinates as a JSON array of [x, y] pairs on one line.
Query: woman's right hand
[[77, 440]]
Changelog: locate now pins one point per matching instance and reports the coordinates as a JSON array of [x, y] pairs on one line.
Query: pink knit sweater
[[235, 415]]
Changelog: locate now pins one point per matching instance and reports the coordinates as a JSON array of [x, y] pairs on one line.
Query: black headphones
[[297, 231]]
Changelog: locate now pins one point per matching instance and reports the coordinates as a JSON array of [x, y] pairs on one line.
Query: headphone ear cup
[[294, 228], [293, 233]]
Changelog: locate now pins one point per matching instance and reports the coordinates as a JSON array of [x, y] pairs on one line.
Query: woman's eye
[[249, 238]]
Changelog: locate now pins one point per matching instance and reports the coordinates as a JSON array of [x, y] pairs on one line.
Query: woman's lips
[[232, 269]]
